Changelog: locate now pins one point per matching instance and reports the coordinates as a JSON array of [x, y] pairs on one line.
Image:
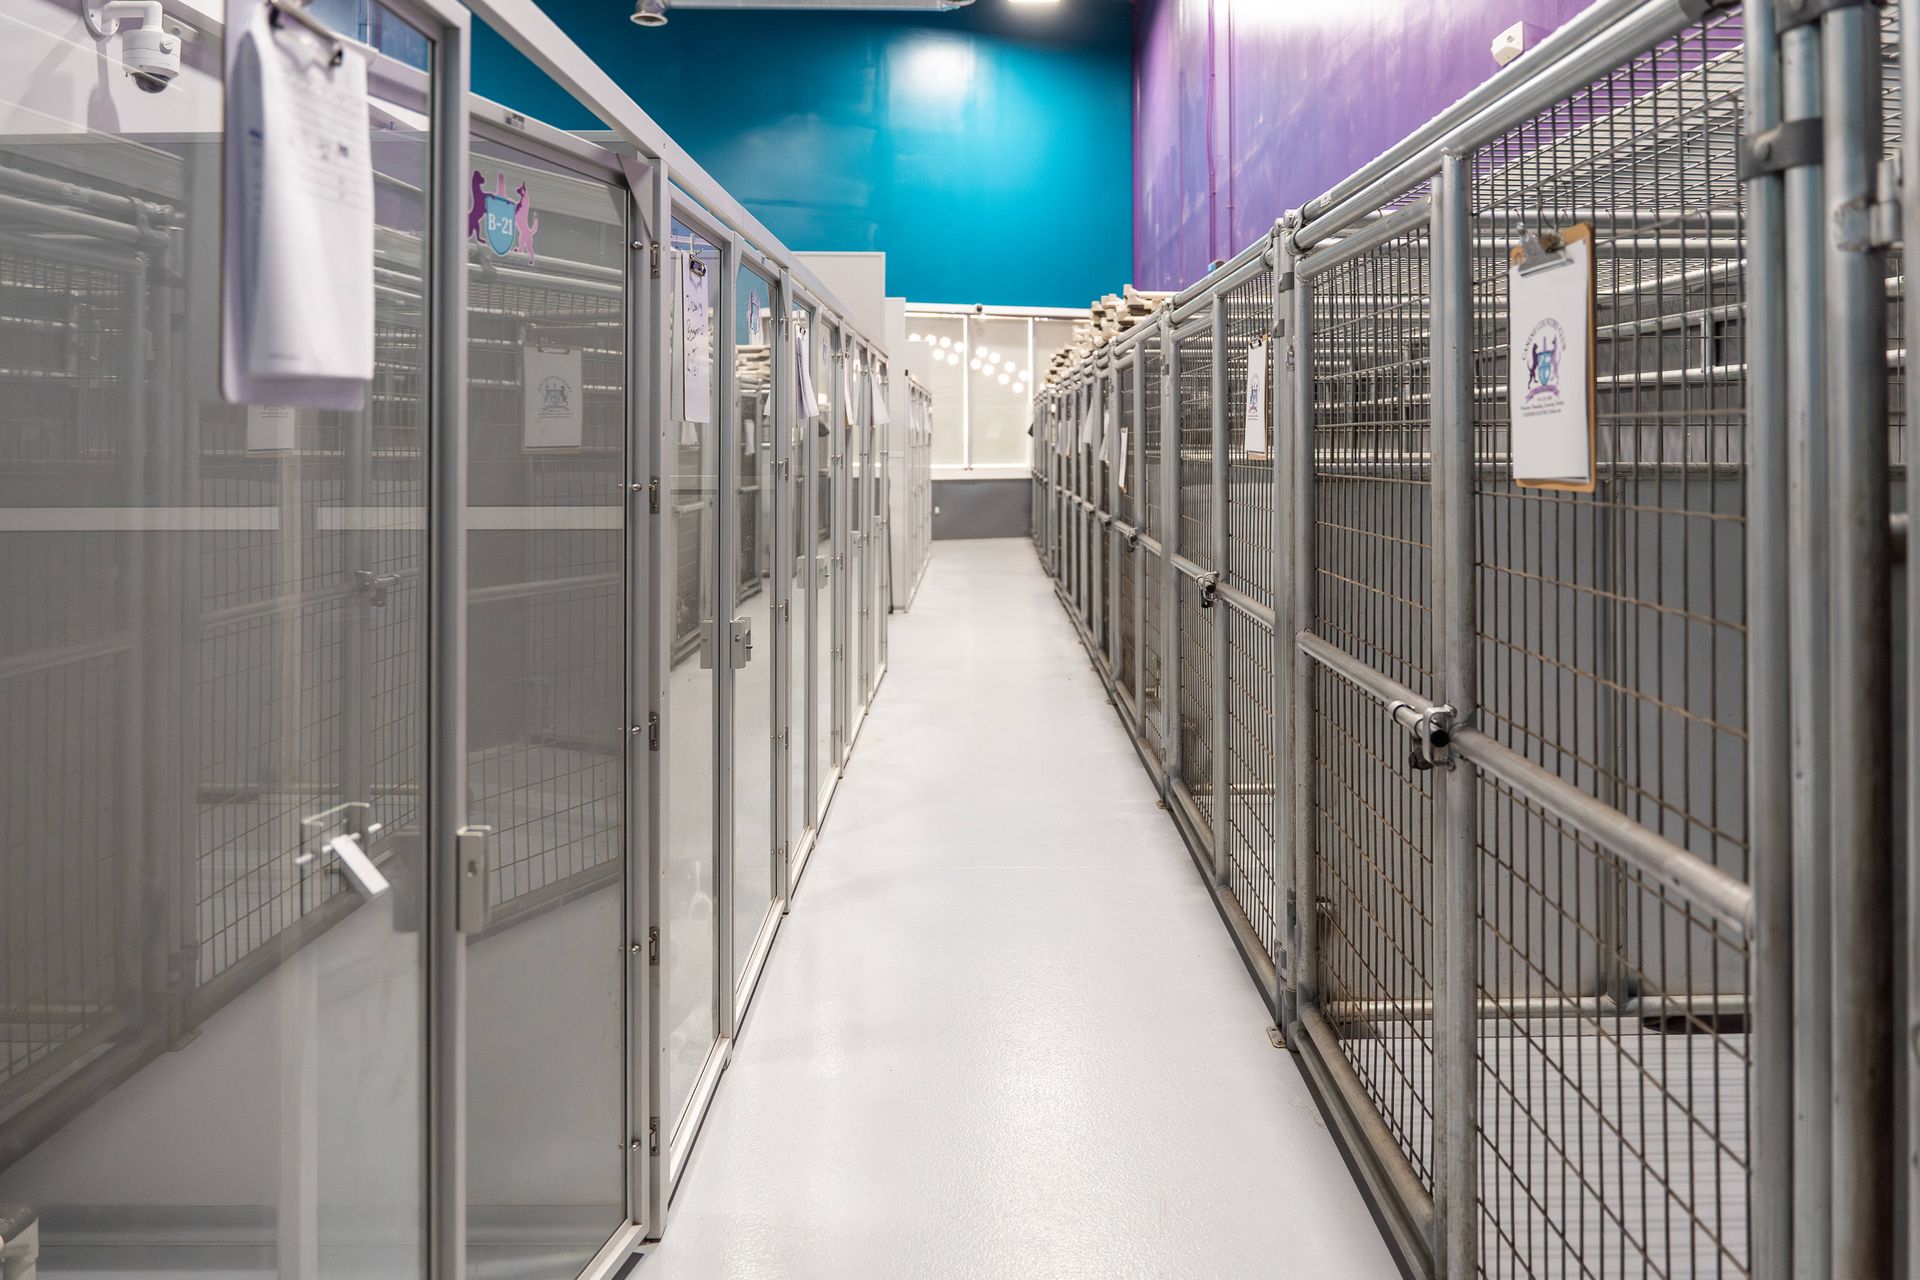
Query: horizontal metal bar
[[1242, 261], [1387, 691], [1631, 31], [1252, 609], [1542, 1008], [1405, 1206], [1697, 882], [1557, 44], [1372, 236], [1190, 568]]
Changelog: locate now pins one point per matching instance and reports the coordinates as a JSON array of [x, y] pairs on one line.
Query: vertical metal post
[[446, 576], [1169, 546], [1110, 448], [1861, 726], [1769, 770], [723, 434], [651, 622], [1137, 468], [1303, 912], [1217, 535], [1808, 674], [1280, 430], [786, 832], [1456, 1032], [966, 394], [1909, 55]]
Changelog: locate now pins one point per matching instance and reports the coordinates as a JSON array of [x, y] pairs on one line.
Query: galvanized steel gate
[[1557, 828]]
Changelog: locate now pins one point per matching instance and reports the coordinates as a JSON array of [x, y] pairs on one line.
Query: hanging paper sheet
[[552, 392], [756, 323], [881, 415], [296, 320], [696, 345], [270, 428], [1125, 453], [847, 405], [1550, 364], [1257, 374], [803, 363]]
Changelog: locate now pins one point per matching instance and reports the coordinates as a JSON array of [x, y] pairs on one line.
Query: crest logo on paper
[[556, 398], [1544, 347], [500, 222]]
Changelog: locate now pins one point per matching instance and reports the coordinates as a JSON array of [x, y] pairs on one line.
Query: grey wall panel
[[982, 509]]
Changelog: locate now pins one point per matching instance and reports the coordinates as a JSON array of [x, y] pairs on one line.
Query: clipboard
[[1552, 436]]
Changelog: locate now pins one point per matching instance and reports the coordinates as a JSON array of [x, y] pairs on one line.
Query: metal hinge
[[653, 730], [653, 1135], [1872, 221], [373, 587], [653, 496], [1209, 587], [653, 946], [1788, 14], [653, 256]]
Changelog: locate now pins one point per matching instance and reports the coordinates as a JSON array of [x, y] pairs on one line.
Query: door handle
[[740, 632]]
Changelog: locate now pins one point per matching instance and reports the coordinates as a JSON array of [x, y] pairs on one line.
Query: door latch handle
[[740, 633]]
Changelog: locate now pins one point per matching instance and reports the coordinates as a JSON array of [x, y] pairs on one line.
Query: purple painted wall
[[1296, 96]]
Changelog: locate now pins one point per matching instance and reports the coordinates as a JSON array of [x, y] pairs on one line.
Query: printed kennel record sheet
[[1550, 364]]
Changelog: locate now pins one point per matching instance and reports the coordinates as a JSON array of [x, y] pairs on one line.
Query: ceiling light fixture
[[649, 13]]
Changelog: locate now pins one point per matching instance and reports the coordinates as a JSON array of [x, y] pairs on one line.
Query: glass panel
[[945, 364], [826, 738], [212, 661], [692, 975], [854, 442], [1000, 390], [799, 693], [546, 980], [753, 684]]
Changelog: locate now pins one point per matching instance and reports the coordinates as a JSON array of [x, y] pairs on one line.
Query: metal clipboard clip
[[1541, 251], [696, 265], [279, 11]]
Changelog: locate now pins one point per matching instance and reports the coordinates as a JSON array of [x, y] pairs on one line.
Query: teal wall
[[987, 152]]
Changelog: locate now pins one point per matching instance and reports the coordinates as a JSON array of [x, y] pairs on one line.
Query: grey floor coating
[[1003, 1033]]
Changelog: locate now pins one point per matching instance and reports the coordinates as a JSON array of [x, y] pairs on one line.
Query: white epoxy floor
[[1004, 1034]]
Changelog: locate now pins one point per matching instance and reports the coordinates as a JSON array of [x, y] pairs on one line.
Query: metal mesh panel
[[1613, 1140], [1250, 524], [1129, 584], [1196, 697], [1613, 623], [1372, 569], [1153, 667], [1154, 521], [1251, 814], [1373, 876], [1125, 422], [548, 606], [68, 339], [1195, 366]]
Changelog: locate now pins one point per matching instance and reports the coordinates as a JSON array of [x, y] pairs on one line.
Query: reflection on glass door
[[826, 732], [545, 982], [697, 629], [751, 611], [799, 692], [212, 686], [857, 550]]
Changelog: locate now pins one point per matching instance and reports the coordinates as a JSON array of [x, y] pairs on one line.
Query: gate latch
[[373, 587], [1209, 587], [1432, 731]]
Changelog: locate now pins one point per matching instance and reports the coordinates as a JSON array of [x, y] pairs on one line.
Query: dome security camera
[[149, 52]]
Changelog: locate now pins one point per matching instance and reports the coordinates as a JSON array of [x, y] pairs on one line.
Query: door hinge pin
[[653, 1136], [653, 730], [653, 946]]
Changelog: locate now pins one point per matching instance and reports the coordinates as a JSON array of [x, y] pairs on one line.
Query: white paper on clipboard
[[847, 406], [552, 395], [1256, 430], [696, 343], [270, 428], [296, 318], [803, 364], [1549, 366]]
